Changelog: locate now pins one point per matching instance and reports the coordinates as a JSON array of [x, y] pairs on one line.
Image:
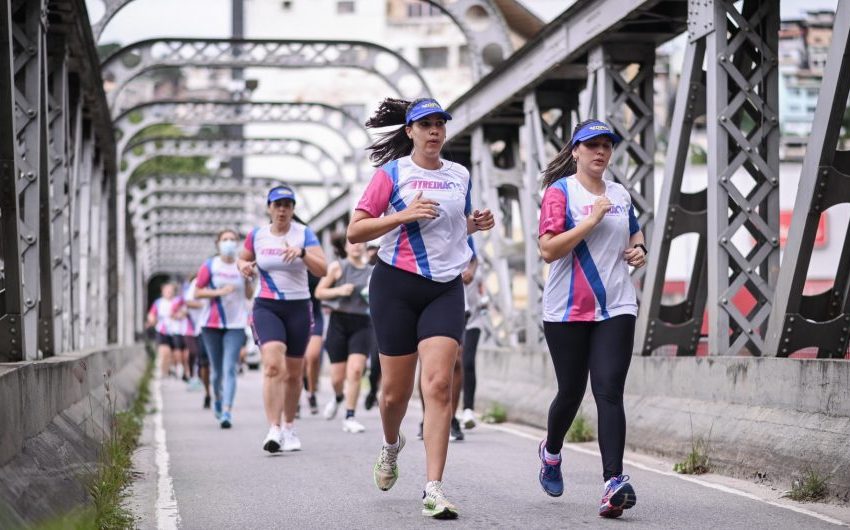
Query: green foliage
[[698, 155], [112, 472], [810, 487], [496, 413], [581, 430], [697, 462]]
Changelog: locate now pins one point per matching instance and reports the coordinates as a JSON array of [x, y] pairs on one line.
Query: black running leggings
[[603, 349], [470, 347]]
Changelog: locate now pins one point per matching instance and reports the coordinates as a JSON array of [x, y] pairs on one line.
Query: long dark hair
[[393, 144], [338, 240], [563, 164]]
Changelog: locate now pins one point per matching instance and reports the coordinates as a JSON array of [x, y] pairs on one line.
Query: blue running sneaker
[[550, 474], [619, 495], [217, 409], [226, 420]]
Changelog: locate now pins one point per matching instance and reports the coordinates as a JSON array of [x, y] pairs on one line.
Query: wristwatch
[[304, 252], [640, 246]]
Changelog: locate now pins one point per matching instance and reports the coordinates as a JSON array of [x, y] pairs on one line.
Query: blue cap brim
[[416, 116]]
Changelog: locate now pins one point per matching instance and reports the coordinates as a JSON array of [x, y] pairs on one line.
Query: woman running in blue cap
[[419, 204], [282, 252], [589, 233]]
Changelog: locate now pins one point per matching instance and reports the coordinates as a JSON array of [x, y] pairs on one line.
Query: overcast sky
[[158, 18]]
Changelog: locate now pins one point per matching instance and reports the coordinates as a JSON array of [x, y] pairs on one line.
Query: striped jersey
[[433, 248], [197, 315], [279, 280], [163, 310], [592, 281], [231, 310]]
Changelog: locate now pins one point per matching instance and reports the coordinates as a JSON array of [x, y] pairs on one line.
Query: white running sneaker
[[290, 440], [352, 425], [435, 504], [330, 409], [385, 471], [272, 441], [468, 418]]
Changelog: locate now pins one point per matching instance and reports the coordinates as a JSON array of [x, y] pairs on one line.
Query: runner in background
[[160, 318], [313, 355], [198, 311]]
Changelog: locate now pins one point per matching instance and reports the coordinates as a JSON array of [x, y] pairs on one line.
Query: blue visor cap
[[277, 194], [424, 108], [594, 129]]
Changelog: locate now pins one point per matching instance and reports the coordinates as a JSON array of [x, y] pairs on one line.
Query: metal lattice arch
[[480, 21], [135, 59], [203, 112]]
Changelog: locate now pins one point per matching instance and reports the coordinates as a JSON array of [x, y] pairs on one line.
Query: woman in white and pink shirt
[[590, 234], [419, 204], [223, 330]]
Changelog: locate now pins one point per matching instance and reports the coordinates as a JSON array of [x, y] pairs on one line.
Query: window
[[463, 55], [417, 9], [437, 57], [345, 7]]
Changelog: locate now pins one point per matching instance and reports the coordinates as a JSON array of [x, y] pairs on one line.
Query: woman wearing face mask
[[223, 331], [589, 233], [420, 205], [282, 252]]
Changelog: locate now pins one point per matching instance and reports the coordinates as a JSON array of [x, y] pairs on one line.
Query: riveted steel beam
[[146, 55], [821, 320], [743, 156]]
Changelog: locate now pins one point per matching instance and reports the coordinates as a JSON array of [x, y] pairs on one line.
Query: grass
[[810, 487], [112, 472], [496, 413], [580, 430], [697, 462]]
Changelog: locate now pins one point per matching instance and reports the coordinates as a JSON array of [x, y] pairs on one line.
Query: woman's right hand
[[601, 206], [419, 209], [246, 268]]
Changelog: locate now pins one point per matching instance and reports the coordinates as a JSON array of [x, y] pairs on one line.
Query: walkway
[[222, 479]]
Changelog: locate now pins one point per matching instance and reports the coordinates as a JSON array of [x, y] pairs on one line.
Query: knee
[[272, 370], [437, 389], [394, 398], [355, 373]]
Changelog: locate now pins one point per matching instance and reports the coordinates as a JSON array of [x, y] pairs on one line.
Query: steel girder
[[48, 77], [737, 219], [480, 21], [199, 112], [390, 66], [329, 169], [821, 320]]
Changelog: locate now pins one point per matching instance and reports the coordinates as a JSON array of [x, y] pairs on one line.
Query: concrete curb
[[764, 418], [55, 413]]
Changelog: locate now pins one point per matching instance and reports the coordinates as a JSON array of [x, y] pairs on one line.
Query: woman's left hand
[[483, 219], [290, 254], [635, 257]]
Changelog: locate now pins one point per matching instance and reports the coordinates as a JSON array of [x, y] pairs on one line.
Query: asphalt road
[[223, 479]]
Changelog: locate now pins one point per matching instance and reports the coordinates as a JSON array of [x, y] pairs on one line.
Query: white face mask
[[227, 248]]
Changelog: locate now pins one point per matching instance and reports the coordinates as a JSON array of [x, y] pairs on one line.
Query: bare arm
[[363, 227], [324, 290], [479, 220], [554, 247], [246, 263], [315, 260], [635, 256]]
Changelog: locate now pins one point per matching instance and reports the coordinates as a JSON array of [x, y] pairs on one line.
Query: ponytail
[[563, 164], [395, 143]]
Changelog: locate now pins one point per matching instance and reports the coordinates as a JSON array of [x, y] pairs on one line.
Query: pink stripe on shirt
[[376, 198], [584, 301]]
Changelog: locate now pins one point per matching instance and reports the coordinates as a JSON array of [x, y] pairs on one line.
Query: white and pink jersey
[[228, 311], [163, 310], [433, 248], [591, 282], [279, 280], [197, 315]]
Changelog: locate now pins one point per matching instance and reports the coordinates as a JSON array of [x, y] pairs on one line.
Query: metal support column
[[821, 320], [743, 157]]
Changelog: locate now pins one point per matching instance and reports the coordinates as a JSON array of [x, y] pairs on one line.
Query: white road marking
[[686, 478], [167, 515]]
